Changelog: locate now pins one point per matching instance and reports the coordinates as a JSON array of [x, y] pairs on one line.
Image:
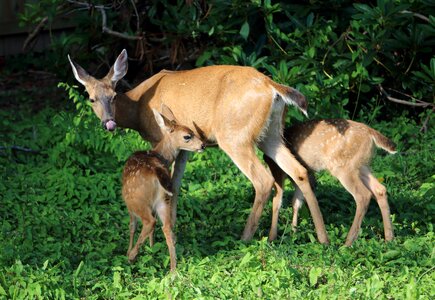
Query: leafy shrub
[[340, 54]]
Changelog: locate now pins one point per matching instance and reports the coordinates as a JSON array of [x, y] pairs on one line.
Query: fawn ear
[[119, 68], [168, 114], [162, 121], [79, 73]]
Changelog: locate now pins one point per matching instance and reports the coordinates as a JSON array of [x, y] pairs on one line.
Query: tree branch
[[115, 33], [34, 33], [417, 15], [137, 16], [426, 121], [19, 148], [417, 102], [106, 29]]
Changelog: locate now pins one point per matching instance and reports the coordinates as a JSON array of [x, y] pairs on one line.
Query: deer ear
[[119, 68], [79, 73], [159, 119], [168, 114]]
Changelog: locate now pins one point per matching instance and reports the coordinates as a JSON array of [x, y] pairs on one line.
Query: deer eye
[[187, 138], [92, 100]]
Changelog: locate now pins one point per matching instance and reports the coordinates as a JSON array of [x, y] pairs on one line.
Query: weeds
[[64, 229]]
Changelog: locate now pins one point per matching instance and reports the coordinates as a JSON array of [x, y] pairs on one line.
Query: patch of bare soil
[[36, 89]]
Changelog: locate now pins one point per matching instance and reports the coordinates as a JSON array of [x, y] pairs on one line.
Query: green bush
[[340, 54], [64, 229]]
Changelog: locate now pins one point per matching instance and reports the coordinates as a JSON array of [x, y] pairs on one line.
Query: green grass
[[64, 227]]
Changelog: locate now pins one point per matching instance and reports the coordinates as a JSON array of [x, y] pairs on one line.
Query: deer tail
[[382, 141], [290, 96]]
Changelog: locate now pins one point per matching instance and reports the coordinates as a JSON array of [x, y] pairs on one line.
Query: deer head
[[176, 136], [102, 91]]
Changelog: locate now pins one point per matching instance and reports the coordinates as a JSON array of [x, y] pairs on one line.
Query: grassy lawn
[[64, 227]]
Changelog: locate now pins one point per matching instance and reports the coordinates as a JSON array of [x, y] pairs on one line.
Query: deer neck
[[126, 112], [166, 152]]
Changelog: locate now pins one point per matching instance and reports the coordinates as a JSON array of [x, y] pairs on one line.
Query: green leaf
[[203, 57], [244, 30], [2, 291], [310, 19], [311, 52], [246, 259], [314, 275]]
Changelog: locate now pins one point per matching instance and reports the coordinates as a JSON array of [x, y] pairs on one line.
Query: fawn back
[[344, 148], [146, 183]]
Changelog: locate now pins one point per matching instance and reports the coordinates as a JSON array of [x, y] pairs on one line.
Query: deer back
[[142, 171], [331, 143]]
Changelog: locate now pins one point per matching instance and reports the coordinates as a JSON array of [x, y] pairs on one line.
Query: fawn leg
[[148, 223], [133, 225], [380, 193], [279, 177], [353, 184], [164, 212]]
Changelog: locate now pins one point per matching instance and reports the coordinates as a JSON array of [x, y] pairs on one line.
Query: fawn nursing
[[235, 107], [147, 187], [344, 148]]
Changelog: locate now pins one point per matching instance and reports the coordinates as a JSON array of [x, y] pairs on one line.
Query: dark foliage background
[[347, 57]]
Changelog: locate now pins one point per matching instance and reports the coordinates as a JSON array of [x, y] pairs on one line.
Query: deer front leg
[[164, 213], [177, 174]]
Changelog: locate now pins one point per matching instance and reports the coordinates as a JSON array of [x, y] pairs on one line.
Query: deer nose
[[202, 146], [109, 125]]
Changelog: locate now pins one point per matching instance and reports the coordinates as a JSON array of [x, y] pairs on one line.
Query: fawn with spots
[[344, 148], [147, 187]]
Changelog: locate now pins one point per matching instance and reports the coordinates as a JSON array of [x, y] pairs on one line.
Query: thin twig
[[426, 121], [417, 15], [187, 58], [106, 29], [34, 33], [115, 33], [417, 102], [19, 148], [137, 17], [87, 5]]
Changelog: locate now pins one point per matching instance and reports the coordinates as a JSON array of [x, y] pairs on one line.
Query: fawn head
[[177, 136], [102, 91]]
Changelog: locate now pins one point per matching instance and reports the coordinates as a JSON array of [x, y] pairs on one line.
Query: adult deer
[[146, 183], [235, 107], [344, 148]]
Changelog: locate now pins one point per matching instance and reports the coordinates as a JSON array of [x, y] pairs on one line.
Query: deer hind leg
[[273, 147], [148, 223], [279, 177], [151, 236], [354, 185], [380, 193], [165, 215], [177, 174], [297, 202], [246, 160], [133, 226]]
